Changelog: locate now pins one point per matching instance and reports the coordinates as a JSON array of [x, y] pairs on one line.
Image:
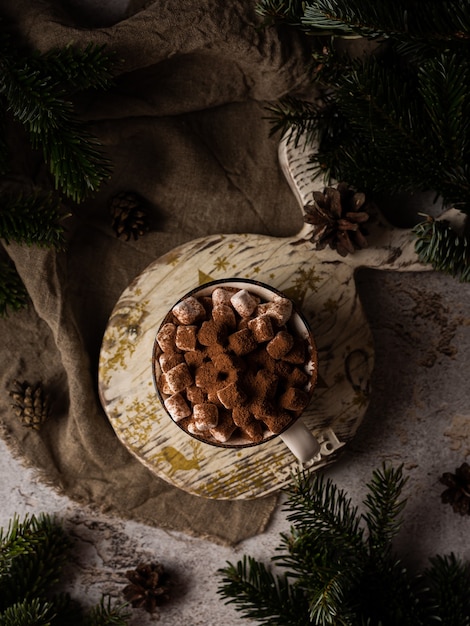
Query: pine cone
[[338, 215], [31, 404], [128, 214], [149, 586], [458, 489]]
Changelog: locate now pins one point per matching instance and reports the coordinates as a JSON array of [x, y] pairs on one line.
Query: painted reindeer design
[[178, 461]]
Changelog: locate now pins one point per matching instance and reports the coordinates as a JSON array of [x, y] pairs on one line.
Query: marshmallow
[[186, 337], [297, 378], [277, 422], [280, 345], [189, 310], [210, 333], [166, 337], [224, 314], [224, 429], [206, 376], [242, 342], [221, 296], [298, 353], [262, 328], [167, 360], [195, 395], [243, 303], [294, 399], [194, 358], [206, 415], [177, 407], [231, 395], [253, 431], [163, 385], [242, 415], [179, 377]]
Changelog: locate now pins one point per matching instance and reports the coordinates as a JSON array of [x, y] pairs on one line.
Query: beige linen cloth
[[185, 127]]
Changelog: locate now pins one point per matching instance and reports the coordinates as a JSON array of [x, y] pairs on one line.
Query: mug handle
[[301, 442]]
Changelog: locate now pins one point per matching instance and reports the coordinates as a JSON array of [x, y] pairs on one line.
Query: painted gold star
[[221, 263]]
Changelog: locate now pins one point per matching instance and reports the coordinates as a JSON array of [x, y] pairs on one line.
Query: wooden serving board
[[321, 283]]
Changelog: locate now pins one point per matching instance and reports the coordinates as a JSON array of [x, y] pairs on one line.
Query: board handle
[[390, 247]]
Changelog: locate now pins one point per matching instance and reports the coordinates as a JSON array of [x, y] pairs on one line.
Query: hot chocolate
[[233, 367]]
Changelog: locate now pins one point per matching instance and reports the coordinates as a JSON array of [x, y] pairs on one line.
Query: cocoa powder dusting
[[247, 373]]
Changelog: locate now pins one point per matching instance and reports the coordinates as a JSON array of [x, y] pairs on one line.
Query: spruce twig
[[37, 95], [393, 121], [28, 612], [32, 220], [13, 294], [36, 90], [106, 614], [438, 244], [338, 566], [33, 552]]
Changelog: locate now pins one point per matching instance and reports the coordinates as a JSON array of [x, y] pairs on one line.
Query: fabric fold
[[185, 128]]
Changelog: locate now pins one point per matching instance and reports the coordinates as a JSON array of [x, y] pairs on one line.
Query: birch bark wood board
[[322, 285]]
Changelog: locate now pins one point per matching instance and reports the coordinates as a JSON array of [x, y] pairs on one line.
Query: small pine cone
[[148, 588], [128, 215], [338, 216], [31, 404], [457, 493]]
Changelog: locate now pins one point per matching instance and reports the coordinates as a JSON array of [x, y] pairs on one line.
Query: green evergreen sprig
[[37, 101], [290, 12], [37, 91], [107, 614], [32, 220], [28, 612], [337, 566], [13, 294], [440, 21], [387, 130], [438, 244], [394, 120], [40, 104], [33, 553]]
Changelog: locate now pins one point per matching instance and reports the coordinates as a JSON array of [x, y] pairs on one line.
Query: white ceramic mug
[[297, 437]]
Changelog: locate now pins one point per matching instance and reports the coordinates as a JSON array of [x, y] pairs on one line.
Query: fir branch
[[106, 614], [438, 244], [27, 613], [33, 554], [384, 508], [380, 135], [290, 12], [373, 590], [258, 594], [13, 294], [294, 119], [449, 581], [401, 19], [32, 220], [15, 541], [443, 86], [318, 505], [77, 69], [36, 90], [321, 19]]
